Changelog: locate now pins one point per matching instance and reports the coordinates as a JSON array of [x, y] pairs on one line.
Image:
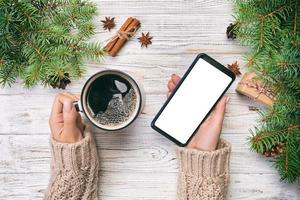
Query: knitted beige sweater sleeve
[[203, 175], [74, 170]]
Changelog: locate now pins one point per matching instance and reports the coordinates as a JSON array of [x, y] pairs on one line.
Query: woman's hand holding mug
[[65, 122]]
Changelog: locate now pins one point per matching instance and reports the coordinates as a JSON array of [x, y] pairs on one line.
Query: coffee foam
[[127, 107], [118, 110]]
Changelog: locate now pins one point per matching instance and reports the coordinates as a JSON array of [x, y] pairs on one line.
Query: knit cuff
[[75, 157], [205, 163]]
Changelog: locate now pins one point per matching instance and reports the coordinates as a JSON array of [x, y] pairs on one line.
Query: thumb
[[219, 112], [69, 114]]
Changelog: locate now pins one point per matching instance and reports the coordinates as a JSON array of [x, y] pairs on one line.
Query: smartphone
[[194, 97]]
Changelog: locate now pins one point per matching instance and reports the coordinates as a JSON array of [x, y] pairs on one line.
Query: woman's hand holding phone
[[208, 134]]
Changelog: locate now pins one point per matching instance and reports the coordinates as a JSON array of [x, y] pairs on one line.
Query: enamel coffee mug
[[111, 100]]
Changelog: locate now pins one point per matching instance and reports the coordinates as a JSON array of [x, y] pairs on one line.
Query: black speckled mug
[[111, 100]]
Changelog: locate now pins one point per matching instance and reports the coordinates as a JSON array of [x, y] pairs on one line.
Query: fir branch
[[42, 40], [7, 73], [265, 139], [262, 19], [276, 10], [270, 28], [285, 64], [36, 49], [295, 18], [289, 163]]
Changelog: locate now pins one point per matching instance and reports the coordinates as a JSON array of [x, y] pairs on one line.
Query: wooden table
[[138, 163]]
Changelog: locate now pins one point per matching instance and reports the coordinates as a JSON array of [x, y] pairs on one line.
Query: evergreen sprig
[[43, 40], [271, 29]]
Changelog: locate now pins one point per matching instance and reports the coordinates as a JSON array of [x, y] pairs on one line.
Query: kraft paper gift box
[[253, 88]]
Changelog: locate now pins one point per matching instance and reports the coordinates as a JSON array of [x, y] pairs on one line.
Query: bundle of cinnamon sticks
[[126, 31]]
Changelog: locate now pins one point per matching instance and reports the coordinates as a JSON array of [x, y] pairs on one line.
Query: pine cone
[[230, 31], [273, 152], [267, 153], [61, 83], [276, 150]]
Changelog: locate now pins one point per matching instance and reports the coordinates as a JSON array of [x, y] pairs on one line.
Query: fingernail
[[227, 99], [67, 106]]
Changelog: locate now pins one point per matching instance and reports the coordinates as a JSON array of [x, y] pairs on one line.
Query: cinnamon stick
[[125, 32], [113, 41]]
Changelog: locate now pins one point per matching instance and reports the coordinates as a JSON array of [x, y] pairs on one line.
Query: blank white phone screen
[[192, 101]]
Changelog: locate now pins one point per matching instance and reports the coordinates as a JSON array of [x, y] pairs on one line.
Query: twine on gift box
[[261, 90]]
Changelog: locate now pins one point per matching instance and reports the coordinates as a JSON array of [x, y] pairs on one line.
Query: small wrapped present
[[253, 88]]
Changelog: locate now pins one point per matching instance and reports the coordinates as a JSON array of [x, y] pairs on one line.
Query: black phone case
[[215, 64]]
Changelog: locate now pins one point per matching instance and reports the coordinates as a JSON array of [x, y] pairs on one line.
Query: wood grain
[[132, 151], [148, 186], [138, 163]]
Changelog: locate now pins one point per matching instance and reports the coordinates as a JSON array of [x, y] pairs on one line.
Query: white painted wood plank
[[149, 186], [22, 113], [121, 152]]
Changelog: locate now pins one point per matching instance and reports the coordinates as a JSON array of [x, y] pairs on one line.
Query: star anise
[[108, 23], [145, 40], [234, 67]]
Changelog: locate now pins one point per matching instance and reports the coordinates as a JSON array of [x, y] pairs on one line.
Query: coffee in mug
[[111, 100]]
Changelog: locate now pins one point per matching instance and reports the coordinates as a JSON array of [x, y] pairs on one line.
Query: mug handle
[[77, 105]]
